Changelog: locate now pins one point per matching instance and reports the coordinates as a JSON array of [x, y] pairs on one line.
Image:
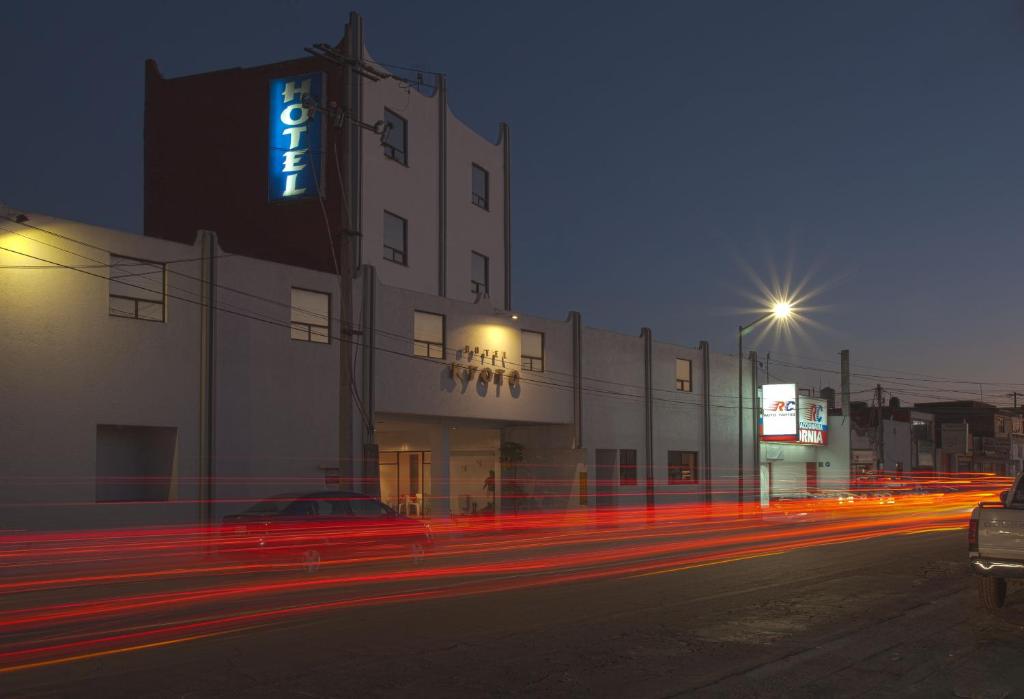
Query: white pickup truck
[[995, 543]]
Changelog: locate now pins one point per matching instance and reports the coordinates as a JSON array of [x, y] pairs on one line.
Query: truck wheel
[[992, 592]]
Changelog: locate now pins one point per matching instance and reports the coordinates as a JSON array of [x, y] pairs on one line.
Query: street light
[[781, 310]]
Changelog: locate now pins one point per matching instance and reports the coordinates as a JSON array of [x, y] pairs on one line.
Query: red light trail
[[70, 596]]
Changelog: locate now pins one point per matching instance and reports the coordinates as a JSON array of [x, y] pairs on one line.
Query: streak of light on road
[[77, 595]]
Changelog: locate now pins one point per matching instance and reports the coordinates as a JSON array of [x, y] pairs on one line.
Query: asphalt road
[[894, 616]]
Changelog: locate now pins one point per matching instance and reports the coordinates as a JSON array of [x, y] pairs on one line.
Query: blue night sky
[[665, 155]]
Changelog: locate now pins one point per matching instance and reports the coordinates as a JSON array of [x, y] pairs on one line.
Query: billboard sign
[[778, 413], [813, 421], [294, 162]]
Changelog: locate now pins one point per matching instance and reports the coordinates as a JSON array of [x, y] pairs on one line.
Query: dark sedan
[[310, 529]]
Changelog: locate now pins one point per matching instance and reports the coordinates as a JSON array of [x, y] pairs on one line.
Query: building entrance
[[402, 478]]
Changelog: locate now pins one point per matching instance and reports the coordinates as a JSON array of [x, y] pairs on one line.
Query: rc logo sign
[[778, 413], [813, 421], [296, 137]]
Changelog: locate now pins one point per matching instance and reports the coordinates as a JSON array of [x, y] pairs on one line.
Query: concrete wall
[[280, 403], [278, 399], [613, 412], [471, 228], [418, 386], [412, 192], [409, 190], [68, 367], [678, 418]]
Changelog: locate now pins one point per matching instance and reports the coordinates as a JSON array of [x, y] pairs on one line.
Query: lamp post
[[780, 311]]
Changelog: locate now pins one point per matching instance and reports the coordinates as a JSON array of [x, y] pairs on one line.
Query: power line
[[439, 362], [397, 336]]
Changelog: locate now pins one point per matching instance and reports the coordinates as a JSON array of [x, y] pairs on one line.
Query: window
[[684, 375], [428, 335], [532, 351], [395, 140], [135, 463], [311, 313], [682, 467], [395, 238], [479, 282], [136, 289], [303, 507], [480, 187], [627, 466], [365, 507]]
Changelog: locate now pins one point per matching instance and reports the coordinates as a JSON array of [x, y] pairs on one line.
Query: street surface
[[889, 616]]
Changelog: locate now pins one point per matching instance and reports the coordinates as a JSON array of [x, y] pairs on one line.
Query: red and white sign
[[813, 422], [778, 413]]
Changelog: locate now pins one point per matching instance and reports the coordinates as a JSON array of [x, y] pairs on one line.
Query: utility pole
[[881, 430], [1014, 394], [844, 374], [739, 398], [844, 380], [767, 375]]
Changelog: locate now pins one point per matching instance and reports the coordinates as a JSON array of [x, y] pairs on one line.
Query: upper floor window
[[311, 316], [428, 334], [682, 467], [396, 143], [480, 187], [684, 375], [532, 350], [395, 238], [136, 289], [479, 280]]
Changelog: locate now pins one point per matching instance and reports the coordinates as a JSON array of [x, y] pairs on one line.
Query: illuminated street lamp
[[781, 311]]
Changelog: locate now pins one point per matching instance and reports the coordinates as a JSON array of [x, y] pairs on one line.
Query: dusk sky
[[664, 156]]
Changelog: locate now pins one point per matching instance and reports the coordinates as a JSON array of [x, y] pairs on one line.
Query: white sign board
[[778, 412]]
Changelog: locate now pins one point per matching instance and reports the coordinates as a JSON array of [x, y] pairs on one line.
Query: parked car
[[995, 543], [312, 528]]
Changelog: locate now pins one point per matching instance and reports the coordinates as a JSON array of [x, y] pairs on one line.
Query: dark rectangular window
[[480, 187], [428, 335], [135, 463], [136, 289], [479, 281], [627, 466], [532, 350], [395, 142], [682, 467], [395, 238], [311, 313], [684, 375]]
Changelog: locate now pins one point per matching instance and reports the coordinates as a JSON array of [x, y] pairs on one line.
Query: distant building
[[977, 436], [906, 442]]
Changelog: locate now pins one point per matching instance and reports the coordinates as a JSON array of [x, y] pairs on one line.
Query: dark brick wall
[[206, 165]]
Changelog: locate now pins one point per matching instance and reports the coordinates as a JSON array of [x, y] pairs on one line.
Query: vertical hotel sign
[[294, 159]]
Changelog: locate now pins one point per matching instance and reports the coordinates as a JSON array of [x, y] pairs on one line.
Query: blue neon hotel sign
[[295, 165]]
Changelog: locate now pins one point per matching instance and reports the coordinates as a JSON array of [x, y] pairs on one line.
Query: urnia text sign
[[294, 159]]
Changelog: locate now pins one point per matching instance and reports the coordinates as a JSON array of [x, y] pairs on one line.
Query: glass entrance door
[[402, 478]]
